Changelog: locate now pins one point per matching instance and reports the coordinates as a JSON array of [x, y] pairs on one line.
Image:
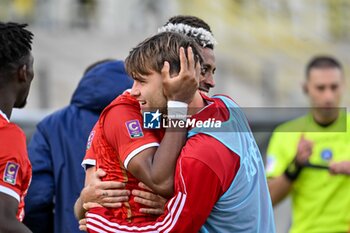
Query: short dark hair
[[322, 62], [193, 22], [151, 54], [15, 43]]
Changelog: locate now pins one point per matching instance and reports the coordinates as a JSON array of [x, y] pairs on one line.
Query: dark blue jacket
[[58, 147]]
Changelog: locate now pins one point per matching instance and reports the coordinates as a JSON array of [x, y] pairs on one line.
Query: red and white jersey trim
[[9, 192], [138, 150], [91, 162], [175, 206], [100, 224]]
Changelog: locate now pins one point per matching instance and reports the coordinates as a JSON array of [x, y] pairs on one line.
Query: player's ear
[[305, 88], [22, 73]]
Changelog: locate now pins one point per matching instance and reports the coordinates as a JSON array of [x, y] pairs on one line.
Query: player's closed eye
[[139, 80]]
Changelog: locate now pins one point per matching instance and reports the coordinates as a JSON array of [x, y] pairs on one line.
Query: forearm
[[13, 226], [79, 211], [279, 188], [164, 161], [342, 167], [8, 210]]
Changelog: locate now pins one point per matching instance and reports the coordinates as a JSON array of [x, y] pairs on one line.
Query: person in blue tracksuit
[[58, 147]]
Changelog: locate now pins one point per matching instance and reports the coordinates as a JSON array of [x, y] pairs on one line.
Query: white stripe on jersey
[[168, 222]]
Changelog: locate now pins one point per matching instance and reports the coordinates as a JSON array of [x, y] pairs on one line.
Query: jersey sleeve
[[90, 156], [186, 210], [125, 133], [279, 154], [12, 169]]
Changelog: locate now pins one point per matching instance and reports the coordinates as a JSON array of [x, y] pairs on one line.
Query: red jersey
[[204, 164], [15, 168], [115, 139]]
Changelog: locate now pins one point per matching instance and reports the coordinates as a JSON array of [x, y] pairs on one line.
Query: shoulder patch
[[10, 173], [270, 163], [134, 128], [91, 137]]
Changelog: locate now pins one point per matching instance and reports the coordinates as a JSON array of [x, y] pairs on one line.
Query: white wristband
[[177, 110]]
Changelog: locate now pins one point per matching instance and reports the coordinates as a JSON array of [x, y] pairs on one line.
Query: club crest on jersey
[[10, 173], [134, 129], [91, 136], [326, 154]]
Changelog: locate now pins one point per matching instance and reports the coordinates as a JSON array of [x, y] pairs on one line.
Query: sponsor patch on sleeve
[[134, 129], [270, 164], [10, 173], [91, 137]]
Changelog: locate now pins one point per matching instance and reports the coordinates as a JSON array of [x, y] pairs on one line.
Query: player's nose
[[209, 81], [135, 91]]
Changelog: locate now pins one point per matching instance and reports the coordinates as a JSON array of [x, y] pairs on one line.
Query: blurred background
[[263, 47]]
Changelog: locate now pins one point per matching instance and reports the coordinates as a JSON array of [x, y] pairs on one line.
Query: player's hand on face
[[155, 202], [304, 150], [340, 168], [183, 86], [106, 193]]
